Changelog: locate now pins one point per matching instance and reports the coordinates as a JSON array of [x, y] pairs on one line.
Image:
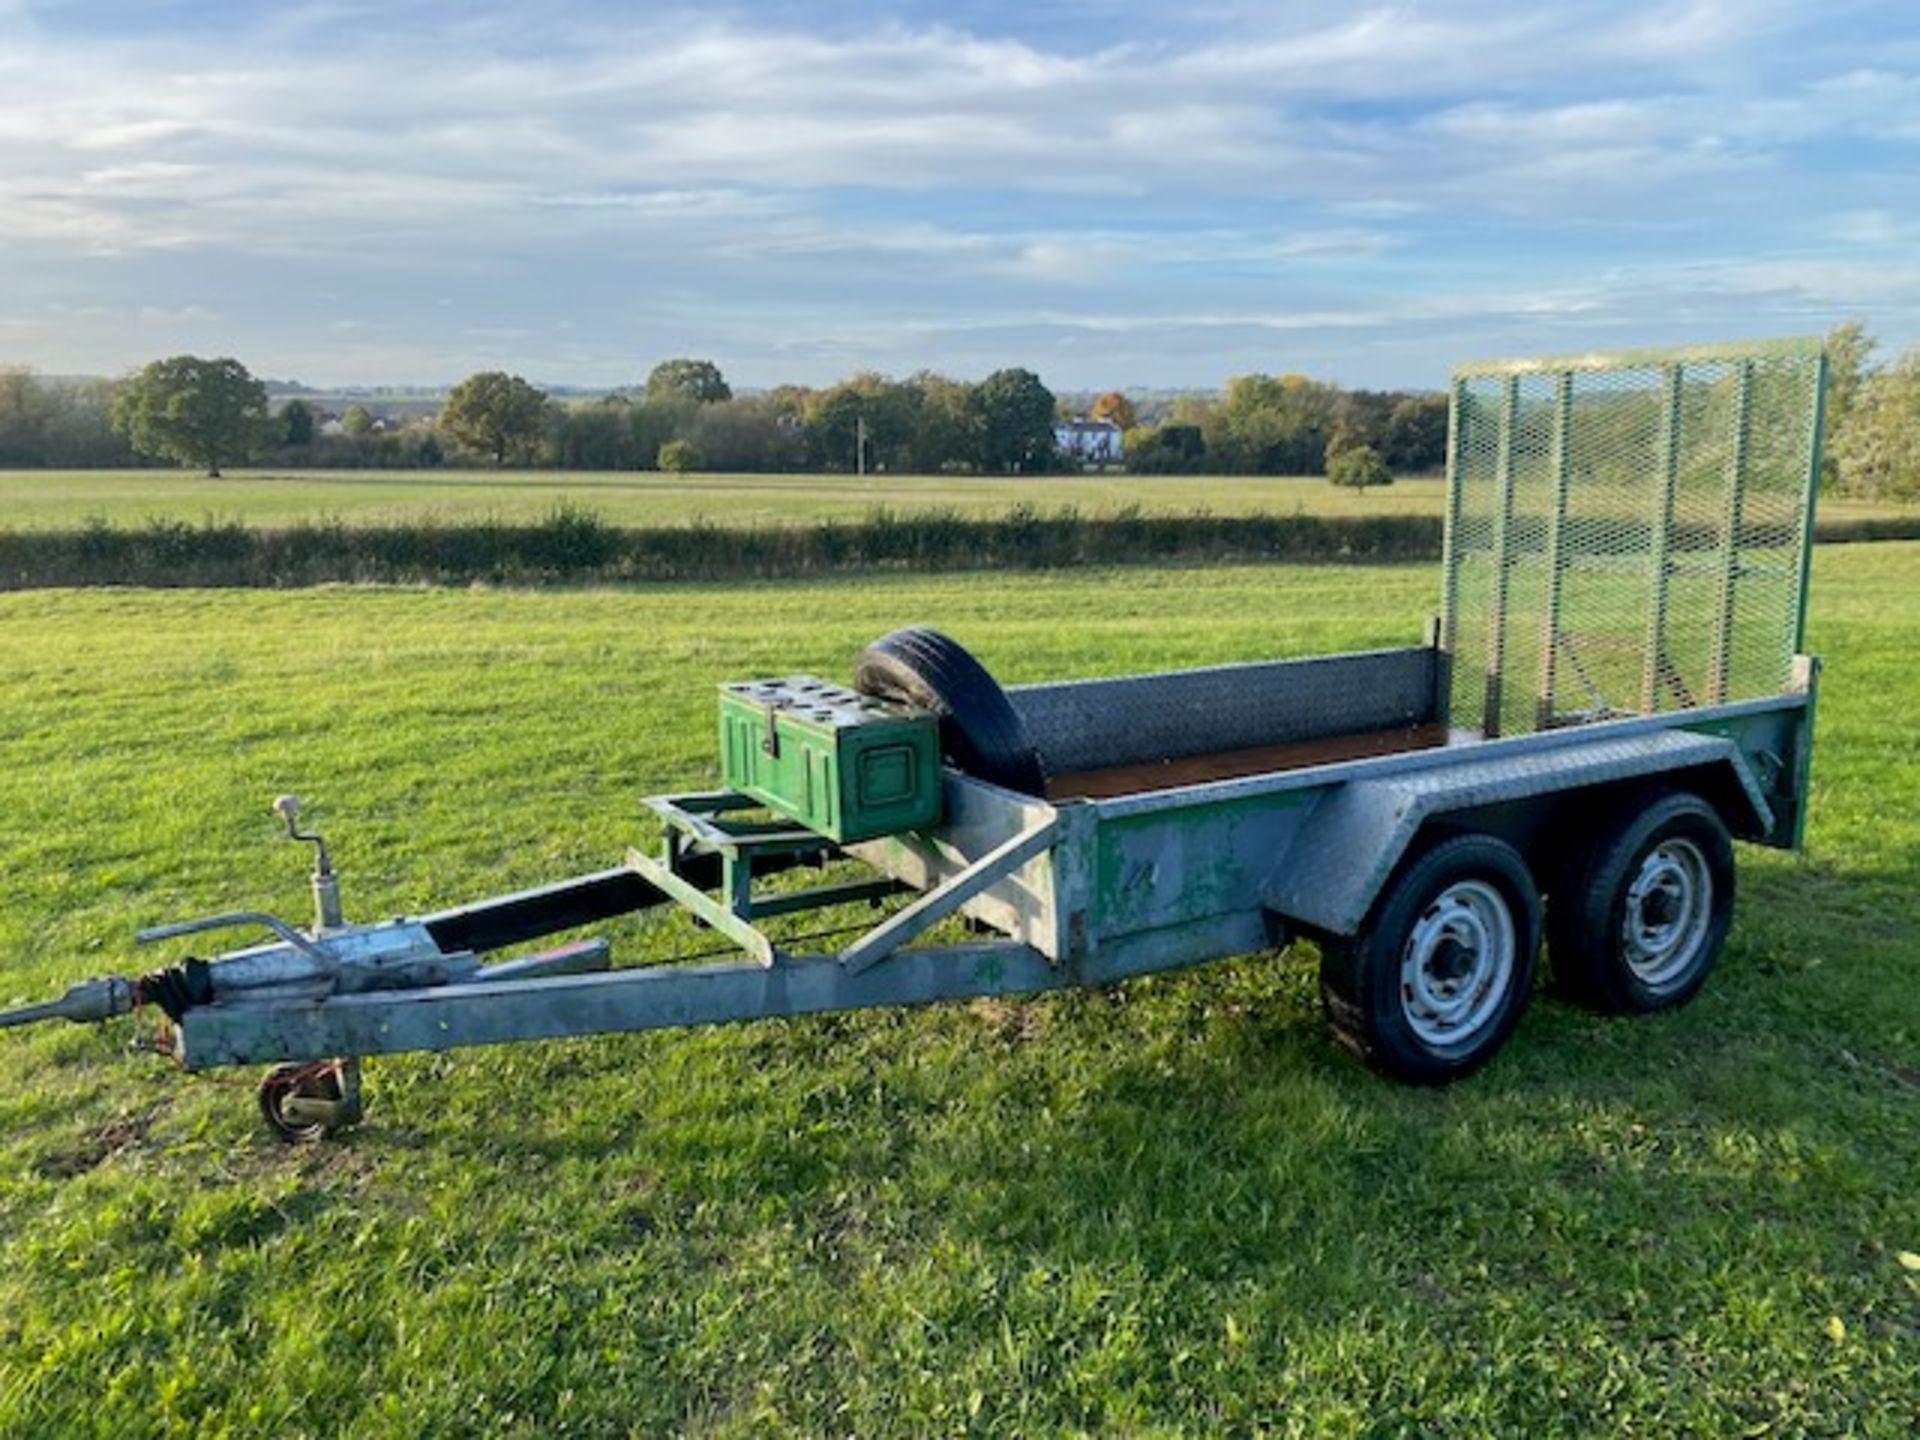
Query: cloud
[[730, 177], [1342, 244], [1818, 286], [1877, 103], [721, 107], [674, 203], [1871, 227]]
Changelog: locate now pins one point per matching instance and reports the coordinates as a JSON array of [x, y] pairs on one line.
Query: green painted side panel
[[846, 766], [1191, 863]]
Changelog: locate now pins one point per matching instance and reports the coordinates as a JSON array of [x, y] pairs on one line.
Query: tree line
[[213, 413], [1293, 425]]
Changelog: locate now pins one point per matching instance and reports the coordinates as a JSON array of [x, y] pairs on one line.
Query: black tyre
[[1638, 916], [333, 1083], [1435, 980], [980, 730]]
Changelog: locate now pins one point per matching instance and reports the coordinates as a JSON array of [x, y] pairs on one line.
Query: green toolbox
[[845, 765]]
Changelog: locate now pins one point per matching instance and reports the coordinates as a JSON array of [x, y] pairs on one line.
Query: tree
[[795, 402], [889, 410], [743, 435], [678, 456], [1016, 414], [23, 418], [78, 425], [1359, 467], [597, 436], [1849, 348], [1115, 407], [201, 412], [1416, 436], [1276, 426], [660, 419], [495, 413], [297, 422], [947, 425], [1878, 450], [1359, 417], [698, 380], [1165, 449], [357, 421]]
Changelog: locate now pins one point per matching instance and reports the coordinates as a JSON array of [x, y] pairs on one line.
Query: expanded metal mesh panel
[[1627, 533]]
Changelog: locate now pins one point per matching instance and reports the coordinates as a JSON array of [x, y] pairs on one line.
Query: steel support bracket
[[941, 901], [705, 908]]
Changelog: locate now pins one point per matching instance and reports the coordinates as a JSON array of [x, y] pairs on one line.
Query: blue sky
[[1112, 193]]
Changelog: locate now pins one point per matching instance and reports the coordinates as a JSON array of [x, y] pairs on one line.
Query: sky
[[1113, 193]]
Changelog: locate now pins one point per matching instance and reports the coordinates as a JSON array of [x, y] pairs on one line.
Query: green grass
[[55, 499], [49, 499], [1170, 1209]]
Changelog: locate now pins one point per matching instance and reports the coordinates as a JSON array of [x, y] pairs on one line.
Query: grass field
[[44, 499], [1170, 1209], [49, 499]]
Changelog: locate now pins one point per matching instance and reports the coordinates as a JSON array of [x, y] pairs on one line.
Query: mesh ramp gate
[[1627, 533]]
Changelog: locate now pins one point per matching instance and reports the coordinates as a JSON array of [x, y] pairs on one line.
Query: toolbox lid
[[819, 702]]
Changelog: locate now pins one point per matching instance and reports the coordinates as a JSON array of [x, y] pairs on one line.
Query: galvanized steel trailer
[[1614, 687]]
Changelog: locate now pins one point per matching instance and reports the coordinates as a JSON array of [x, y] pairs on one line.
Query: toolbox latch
[[770, 742]]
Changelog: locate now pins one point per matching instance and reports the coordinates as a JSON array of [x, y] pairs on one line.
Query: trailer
[[1613, 691]]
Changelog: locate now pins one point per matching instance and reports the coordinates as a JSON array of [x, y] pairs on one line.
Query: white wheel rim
[[1457, 965], [1668, 911]]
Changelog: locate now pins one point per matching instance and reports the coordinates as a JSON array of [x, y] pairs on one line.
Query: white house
[[1092, 442]]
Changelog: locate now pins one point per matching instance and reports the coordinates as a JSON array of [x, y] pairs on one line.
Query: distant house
[[1091, 442]]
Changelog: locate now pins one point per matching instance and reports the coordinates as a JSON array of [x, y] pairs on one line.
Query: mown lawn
[[53, 499], [45, 499], [1174, 1208]]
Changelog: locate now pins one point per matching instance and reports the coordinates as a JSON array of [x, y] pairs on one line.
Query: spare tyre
[[980, 731]]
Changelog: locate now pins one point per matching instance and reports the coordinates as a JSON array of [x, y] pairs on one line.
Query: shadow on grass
[[1199, 1139]]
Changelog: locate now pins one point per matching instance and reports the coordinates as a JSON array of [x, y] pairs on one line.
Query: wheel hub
[[1660, 907], [1452, 961], [1669, 907], [1457, 964]]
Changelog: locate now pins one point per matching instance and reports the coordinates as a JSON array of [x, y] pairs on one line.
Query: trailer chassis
[[1019, 866], [1585, 493]]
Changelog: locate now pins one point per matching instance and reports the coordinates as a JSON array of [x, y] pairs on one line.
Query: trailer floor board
[[1150, 775]]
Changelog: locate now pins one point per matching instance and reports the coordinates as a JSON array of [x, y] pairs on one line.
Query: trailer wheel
[[1437, 976], [1638, 917], [980, 730], [303, 1104]]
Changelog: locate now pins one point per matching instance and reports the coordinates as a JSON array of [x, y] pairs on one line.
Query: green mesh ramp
[[1627, 533]]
